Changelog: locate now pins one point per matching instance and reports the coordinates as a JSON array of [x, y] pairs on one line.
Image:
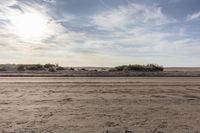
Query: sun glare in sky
[[29, 25], [102, 32]]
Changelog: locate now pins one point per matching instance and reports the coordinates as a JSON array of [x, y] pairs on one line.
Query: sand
[[100, 105]]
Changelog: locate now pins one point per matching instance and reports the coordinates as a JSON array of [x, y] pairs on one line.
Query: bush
[[3, 69], [83, 69], [72, 69], [52, 69], [120, 68], [60, 68], [134, 68], [112, 70], [138, 68], [35, 67], [21, 68], [103, 69], [49, 65], [153, 67]]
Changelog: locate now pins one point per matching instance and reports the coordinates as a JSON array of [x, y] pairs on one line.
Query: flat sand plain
[[100, 105]]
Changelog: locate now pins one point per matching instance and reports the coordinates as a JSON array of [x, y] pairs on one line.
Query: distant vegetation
[[21, 68], [72, 69], [35, 67], [56, 68], [2, 68], [52, 69], [50, 65], [138, 68], [83, 69], [38, 67], [60, 68]]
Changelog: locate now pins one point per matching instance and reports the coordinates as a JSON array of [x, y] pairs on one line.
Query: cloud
[[65, 18], [50, 1], [7, 3], [133, 33], [141, 32], [193, 16], [10, 16], [132, 14], [133, 28], [16, 7], [49, 47]]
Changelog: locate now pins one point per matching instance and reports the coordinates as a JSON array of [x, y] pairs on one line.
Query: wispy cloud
[[9, 16], [133, 28], [126, 33], [50, 1], [65, 18], [55, 36], [193, 16], [132, 14]]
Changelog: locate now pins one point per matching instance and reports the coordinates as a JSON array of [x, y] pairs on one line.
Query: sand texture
[[100, 105]]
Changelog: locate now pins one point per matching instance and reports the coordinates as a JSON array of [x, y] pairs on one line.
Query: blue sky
[[100, 32]]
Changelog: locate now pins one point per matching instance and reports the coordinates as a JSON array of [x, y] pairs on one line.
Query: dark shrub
[[154, 67], [72, 69], [134, 68], [83, 69], [138, 68], [112, 70], [60, 68], [49, 65], [21, 68], [103, 69], [35, 67], [52, 69], [120, 68], [3, 69]]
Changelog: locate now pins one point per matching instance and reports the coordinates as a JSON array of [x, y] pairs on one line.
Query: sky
[[100, 32]]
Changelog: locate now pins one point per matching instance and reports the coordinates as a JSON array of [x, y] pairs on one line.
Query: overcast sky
[[100, 32]]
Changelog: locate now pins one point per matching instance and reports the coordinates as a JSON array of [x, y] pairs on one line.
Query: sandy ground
[[100, 105]]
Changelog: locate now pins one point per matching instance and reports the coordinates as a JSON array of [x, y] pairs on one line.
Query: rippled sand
[[100, 105]]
